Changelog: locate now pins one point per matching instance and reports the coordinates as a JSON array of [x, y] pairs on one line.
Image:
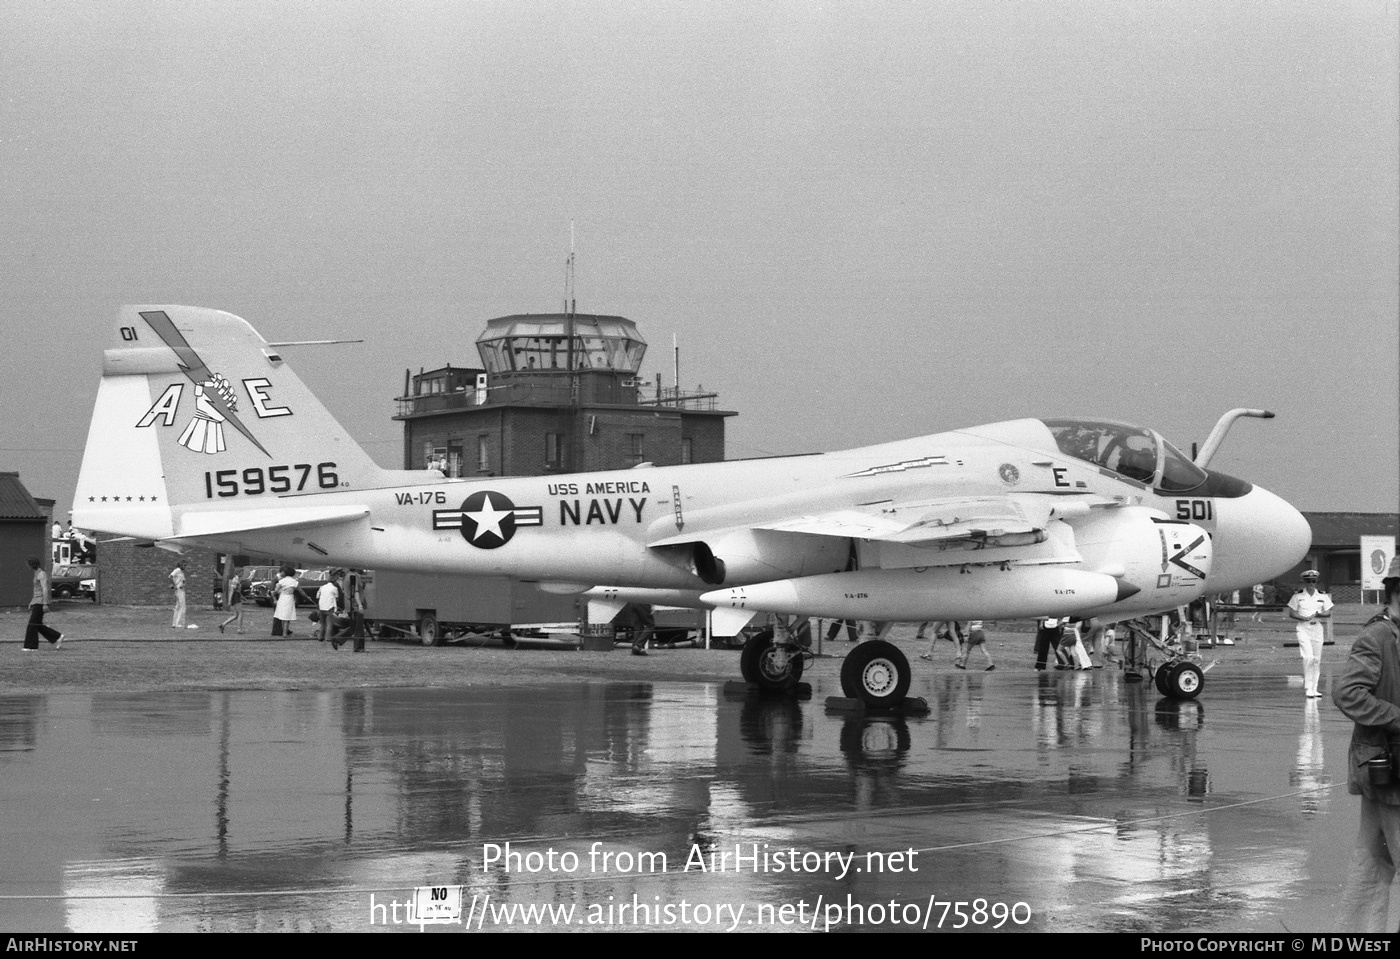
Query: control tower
[[511, 344], [555, 393]]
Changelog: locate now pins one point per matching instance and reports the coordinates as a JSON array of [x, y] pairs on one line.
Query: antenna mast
[[569, 305]]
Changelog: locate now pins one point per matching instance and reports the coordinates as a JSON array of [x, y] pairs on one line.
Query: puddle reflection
[[268, 810]]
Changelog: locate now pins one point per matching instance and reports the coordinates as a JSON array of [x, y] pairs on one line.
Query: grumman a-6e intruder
[[203, 435]]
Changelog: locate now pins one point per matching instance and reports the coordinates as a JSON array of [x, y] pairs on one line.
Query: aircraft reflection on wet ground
[[1048, 802]]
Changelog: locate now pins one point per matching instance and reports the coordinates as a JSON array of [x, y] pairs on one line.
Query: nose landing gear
[[1164, 659]]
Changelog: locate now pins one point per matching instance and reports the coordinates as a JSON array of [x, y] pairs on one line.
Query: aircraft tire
[[868, 741], [1179, 714], [876, 673], [1185, 681], [769, 673], [748, 659], [1160, 676], [429, 634]]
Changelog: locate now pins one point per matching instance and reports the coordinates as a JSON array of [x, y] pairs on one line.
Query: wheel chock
[[738, 689], [911, 706]]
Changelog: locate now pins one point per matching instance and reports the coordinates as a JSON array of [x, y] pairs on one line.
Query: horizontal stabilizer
[[212, 523]]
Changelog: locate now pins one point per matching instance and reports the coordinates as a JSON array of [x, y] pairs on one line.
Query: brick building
[[24, 532], [555, 393], [129, 574]]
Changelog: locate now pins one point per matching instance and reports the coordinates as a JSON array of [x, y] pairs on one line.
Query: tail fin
[[195, 408]]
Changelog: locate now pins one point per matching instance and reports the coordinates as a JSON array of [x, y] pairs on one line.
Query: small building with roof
[[554, 393], [24, 532], [1336, 551]]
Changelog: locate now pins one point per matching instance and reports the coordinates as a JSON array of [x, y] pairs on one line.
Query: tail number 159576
[[272, 479]]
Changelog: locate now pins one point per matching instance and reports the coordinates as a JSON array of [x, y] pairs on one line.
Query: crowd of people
[[965, 637], [339, 616], [81, 547]]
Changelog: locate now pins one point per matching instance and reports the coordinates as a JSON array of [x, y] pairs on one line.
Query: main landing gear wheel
[[770, 667], [1159, 677], [749, 656], [428, 632], [874, 740], [1184, 681], [876, 673]]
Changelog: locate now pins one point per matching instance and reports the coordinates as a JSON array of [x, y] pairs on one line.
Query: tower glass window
[[534, 343]]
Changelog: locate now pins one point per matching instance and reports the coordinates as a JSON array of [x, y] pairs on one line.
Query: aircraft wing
[[1033, 528], [924, 523]]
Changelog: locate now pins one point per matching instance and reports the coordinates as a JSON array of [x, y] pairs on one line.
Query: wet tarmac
[[1045, 802]]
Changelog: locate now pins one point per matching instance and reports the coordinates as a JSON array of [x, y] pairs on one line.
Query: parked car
[[257, 583], [260, 582], [309, 582], [69, 581]]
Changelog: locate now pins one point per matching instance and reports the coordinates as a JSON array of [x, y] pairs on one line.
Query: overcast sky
[[862, 221]]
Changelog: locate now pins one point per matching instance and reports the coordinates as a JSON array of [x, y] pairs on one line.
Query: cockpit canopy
[[1130, 451]]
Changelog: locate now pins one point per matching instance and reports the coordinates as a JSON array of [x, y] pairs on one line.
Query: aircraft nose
[[1260, 536], [1293, 532]]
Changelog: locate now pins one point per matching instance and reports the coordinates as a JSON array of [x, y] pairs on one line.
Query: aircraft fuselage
[[203, 435], [595, 529]]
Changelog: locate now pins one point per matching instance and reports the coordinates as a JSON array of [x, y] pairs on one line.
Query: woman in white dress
[[286, 609]]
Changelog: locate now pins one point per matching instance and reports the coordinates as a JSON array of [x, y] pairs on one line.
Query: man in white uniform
[[327, 602], [177, 583], [1309, 607]]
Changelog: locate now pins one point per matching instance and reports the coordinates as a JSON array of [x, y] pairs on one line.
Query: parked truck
[[435, 608]]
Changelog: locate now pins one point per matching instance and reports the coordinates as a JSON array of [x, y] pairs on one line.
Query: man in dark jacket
[[1047, 640], [1368, 692], [638, 617]]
